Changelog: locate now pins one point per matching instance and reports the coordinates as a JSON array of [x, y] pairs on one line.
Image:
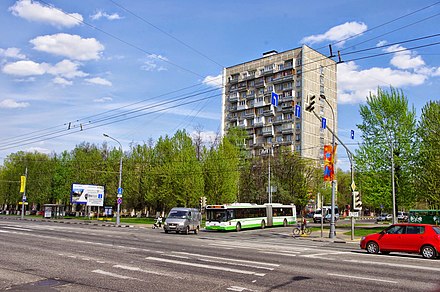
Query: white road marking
[[280, 254], [237, 288], [395, 265], [136, 269], [206, 266], [227, 259], [115, 275], [324, 254], [17, 228], [362, 278]]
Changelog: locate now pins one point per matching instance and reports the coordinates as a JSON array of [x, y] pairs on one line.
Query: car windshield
[[436, 229], [177, 214]]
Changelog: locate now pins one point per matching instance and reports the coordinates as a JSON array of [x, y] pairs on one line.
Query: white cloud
[[100, 14], [10, 103], [213, 81], [39, 150], [337, 33], [99, 81], [24, 68], [436, 72], [62, 81], [12, 53], [66, 69], [103, 99], [355, 84], [67, 45], [404, 59], [34, 11], [153, 63]]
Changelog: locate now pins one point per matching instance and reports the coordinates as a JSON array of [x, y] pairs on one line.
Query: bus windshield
[[216, 215]]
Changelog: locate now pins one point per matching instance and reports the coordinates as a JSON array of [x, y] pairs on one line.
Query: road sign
[[119, 201], [297, 111], [352, 134], [274, 99], [353, 214], [120, 191], [323, 123]]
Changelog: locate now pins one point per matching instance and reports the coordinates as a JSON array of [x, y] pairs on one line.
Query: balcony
[[287, 128], [259, 122], [233, 97], [268, 131], [270, 111], [249, 114], [242, 123], [241, 107], [259, 103]]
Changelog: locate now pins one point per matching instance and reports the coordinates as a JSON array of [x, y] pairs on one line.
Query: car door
[[391, 239], [414, 238]]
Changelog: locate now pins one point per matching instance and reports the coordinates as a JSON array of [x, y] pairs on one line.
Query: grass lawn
[[365, 231]]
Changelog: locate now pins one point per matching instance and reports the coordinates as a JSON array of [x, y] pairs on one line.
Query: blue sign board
[[274, 99], [119, 191], [298, 111], [323, 123], [352, 134]]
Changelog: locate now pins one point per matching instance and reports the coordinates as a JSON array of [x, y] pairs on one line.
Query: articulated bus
[[239, 216], [424, 216]]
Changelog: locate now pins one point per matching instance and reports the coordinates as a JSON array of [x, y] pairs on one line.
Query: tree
[[429, 155], [388, 123]]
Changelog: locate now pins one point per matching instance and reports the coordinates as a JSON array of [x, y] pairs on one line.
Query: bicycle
[[298, 231]]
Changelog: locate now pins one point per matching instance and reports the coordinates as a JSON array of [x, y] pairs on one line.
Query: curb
[[69, 222]]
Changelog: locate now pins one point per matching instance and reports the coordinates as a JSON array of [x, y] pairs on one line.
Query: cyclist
[[303, 224]]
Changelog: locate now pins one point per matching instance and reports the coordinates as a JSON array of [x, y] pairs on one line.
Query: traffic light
[[311, 105], [203, 201], [357, 203]]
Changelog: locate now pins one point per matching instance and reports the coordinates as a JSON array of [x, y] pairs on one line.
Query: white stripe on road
[[362, 278], [114, 275], [395, 265], [17, 228], [280, 254], [205, 266], [228, 259], [136, 269], [324, 254]]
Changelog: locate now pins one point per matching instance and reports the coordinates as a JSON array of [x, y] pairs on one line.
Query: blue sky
[[138, 70]]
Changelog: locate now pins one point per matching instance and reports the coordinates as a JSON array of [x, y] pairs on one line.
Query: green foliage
[[428, 162], [387, 121]]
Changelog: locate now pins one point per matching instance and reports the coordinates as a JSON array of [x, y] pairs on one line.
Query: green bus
[[239, 216], [424, 216]]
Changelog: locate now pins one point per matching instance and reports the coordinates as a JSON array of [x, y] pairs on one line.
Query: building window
[[269, 140], [279, 139], [298, 126], [287, 116], [298, 62], [298, 137], [298, 148], [288, 138]]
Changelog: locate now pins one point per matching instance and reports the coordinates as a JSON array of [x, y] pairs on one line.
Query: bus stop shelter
[[53, 211]]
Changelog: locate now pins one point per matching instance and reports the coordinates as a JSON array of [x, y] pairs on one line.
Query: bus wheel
[[238, 227], [263, 224], [285, 223]]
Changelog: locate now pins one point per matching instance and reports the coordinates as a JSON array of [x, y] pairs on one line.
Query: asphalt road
[[47, 256]]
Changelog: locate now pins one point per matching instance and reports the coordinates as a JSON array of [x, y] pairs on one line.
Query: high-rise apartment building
[[295, 76]]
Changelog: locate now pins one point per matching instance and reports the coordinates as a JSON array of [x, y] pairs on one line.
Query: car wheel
[[372, 247], [428, 252], [285, 223], [263, 224], [187, 230], [196, 231], [238, 227]]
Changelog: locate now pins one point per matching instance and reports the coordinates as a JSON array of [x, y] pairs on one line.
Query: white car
[[384, 217]]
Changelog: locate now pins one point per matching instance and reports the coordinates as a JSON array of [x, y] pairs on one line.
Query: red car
[[422, 239]]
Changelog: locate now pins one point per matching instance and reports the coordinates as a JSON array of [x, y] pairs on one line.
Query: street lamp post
[[332, 220], [120, 179]]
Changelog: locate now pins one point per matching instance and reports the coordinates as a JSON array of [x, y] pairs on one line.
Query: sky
[[138, 70]]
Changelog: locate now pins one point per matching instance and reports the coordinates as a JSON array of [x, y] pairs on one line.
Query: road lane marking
[[205, 266], [136, 269], [362, 278], [394, 265], [280, 254], [105, 273], [324, 254], [16, 228], [228, 259]]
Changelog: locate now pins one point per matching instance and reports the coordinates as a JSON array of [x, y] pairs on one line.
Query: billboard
[[91, 195]]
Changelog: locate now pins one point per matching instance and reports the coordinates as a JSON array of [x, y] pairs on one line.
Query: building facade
[[295, 76]]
